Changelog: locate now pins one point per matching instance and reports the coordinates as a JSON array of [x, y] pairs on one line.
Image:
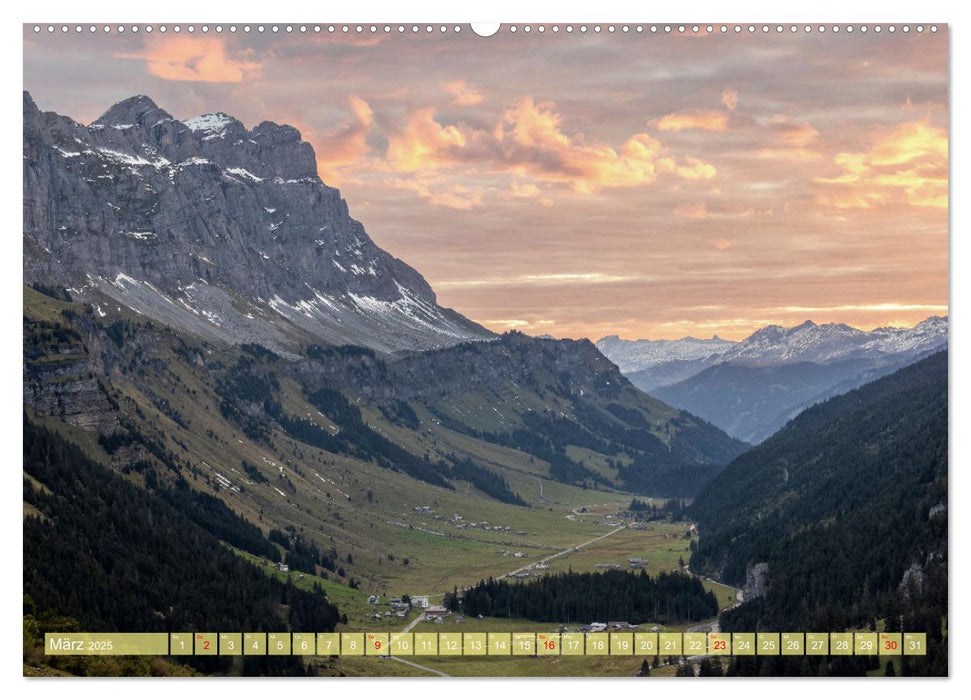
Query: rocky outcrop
[[755, 581], [912, 582], [60, 380]]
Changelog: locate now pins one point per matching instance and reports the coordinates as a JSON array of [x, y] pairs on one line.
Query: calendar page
[[512, 350]]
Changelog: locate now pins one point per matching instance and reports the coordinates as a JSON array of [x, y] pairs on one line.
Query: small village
[[400, 607]]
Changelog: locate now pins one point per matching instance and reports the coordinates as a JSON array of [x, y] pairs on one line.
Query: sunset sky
[[646, 185]]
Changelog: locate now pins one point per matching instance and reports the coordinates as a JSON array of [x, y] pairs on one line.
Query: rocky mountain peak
[[226, 232], [139, 110]]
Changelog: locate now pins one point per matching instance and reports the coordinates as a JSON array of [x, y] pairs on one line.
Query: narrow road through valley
[[419, 666], [560, 554]]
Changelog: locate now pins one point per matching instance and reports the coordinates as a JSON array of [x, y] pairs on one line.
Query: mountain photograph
[[311, 356]]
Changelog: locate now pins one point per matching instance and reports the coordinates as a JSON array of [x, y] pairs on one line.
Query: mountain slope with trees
[[109, 556], [846, 508]]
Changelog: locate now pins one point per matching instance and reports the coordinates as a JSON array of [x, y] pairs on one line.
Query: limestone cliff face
[[61, 380], [224, 231]]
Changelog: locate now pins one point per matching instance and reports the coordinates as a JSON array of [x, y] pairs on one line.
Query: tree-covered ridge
[[540, 397], [116, 557], [668, 598], [249, 399], [848, 508]]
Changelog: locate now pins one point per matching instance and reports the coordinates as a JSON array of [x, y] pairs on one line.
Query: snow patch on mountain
[[212, 125], [634, 355], [831, 342]]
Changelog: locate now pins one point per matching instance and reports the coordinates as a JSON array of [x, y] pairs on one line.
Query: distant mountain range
[[632, 356], [752, 388], [208, 226]]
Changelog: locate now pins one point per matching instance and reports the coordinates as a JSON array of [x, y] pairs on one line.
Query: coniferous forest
[[846, 511], [104, 555], [669, 598]]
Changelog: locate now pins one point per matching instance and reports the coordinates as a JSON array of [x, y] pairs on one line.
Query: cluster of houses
[[610, 627], [632, 562], [437, 614], [459, 522], [523, 574], [455, 519], [608, 520], [398, 607], [518, 555]]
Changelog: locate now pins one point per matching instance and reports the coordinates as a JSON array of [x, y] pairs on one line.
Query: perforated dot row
[[246, 28], [526, 28]]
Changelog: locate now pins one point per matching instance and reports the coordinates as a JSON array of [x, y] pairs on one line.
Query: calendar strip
[[377, 644]]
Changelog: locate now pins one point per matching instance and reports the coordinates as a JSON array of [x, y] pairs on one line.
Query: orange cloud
[[424, 143], [347, 144], [440, 192], [362, 110], [909, 142], [548, 153], [529, 191], [462, 94], [536, 125], [530, 141], [691, 168], [730, 98], [907, 163], [199, 59], [706, 121], [792, 140]]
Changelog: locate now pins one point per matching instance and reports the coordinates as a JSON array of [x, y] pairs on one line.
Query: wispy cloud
[[345, 145], [439, 191], [463, 94], [545, 280], [730, 98], [705, 121], [886, 306], [790, 140]]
